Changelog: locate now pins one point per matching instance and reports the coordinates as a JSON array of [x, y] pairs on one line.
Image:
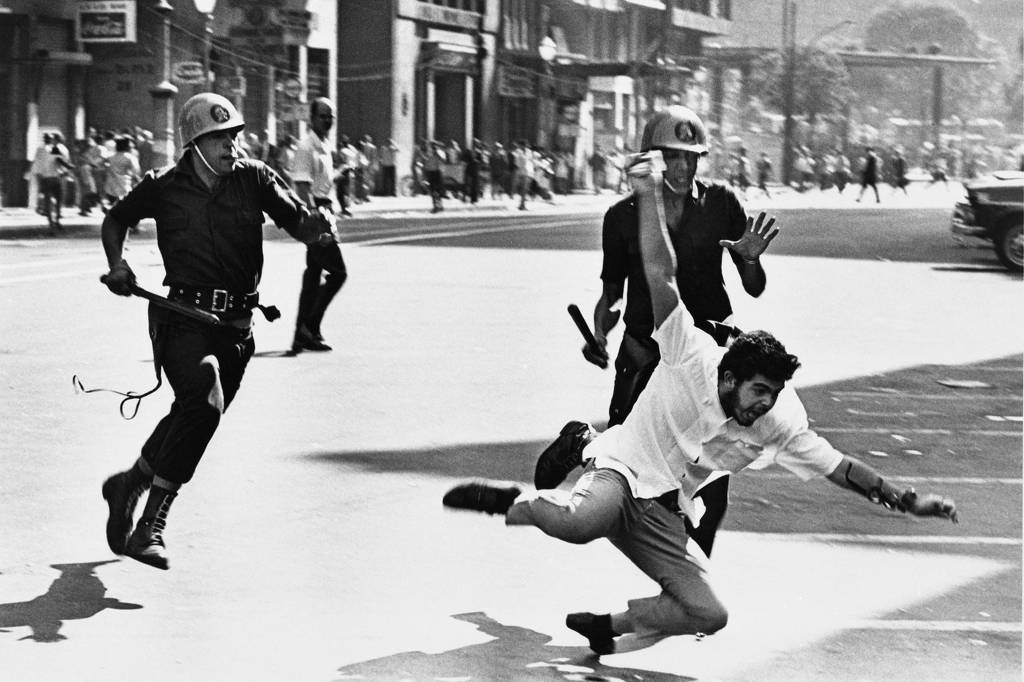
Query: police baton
[[181, 308]]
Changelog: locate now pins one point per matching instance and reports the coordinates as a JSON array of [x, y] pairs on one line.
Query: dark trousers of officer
[[316, 296], [179, 440], [634, 366]]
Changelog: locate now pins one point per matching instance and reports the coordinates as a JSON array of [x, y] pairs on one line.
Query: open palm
[[755, 239]]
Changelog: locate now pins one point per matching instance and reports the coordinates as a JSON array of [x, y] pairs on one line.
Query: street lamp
[[205, 7], [163, 96], [546, 49]]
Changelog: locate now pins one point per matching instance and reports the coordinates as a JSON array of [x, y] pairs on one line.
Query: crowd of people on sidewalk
[[866, 166]]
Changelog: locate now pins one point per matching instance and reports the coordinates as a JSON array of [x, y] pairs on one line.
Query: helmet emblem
[[685, 131], [219, 114]]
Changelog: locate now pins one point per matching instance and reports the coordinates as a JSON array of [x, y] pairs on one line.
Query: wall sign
[[106, 22]]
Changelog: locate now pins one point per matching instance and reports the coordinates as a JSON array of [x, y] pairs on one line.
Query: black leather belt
[[215, 300]]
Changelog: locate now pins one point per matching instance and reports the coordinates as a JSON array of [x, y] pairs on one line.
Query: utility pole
[[789, 57]]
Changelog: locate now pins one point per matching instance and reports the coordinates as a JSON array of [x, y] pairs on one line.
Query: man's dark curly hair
[[758, 352]]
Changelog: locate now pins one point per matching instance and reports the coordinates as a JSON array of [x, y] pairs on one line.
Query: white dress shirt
[[314, 164], [677, 434]]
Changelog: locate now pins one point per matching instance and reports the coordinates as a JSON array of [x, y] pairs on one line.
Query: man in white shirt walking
[[313, 177], [705, 409]]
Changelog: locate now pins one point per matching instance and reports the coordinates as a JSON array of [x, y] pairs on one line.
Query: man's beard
[[732, 409]]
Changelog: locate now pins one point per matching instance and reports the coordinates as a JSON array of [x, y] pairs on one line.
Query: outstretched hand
[[755, 239], [934, 505]]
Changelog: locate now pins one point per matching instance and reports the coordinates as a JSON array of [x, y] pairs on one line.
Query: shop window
[[317, 70], [604, 112]]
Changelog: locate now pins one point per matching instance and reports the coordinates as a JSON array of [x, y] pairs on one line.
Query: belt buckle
[[219, 301]]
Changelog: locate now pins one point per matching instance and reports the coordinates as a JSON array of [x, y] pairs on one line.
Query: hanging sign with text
[[106, 22]]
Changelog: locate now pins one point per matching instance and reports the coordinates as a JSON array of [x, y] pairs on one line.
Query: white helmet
[[205, 113], [675, 128]]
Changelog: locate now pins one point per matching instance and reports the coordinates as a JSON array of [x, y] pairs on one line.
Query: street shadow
[[515, 653], [511, 460], [76, 594]]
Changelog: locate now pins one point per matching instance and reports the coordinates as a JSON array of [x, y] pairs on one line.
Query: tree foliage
[[821, 83], [923, 28]]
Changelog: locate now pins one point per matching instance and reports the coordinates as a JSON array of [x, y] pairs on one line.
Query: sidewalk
[[20, 223], [23, 222]]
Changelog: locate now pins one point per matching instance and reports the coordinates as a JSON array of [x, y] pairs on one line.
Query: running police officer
[[209, 211]]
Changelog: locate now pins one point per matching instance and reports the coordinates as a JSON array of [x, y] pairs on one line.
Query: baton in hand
[[588, 336], [182, 308]]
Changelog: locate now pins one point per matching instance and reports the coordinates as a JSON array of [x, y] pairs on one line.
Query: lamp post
[[546, 49], [163, 97], [205, 7], [789, 47]]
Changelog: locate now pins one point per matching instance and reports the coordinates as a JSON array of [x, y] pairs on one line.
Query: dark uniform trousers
[[314, 297], [633, 368], [179, 440]]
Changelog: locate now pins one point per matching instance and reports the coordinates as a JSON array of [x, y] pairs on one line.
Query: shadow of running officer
[[209, 211]]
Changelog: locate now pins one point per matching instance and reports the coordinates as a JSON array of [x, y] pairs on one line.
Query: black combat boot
[[146, 543], [122, 492]]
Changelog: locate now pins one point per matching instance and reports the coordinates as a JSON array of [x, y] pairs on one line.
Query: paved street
[[312, 544]]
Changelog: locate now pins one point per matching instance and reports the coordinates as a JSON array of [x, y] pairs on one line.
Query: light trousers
[[601, 505]]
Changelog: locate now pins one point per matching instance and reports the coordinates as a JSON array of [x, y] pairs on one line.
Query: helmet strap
[[202, 158]]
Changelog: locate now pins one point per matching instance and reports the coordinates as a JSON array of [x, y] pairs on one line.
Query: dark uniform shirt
[[716, 213], [214, 238]]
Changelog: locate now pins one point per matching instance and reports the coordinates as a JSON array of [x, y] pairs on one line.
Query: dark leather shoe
[[600, 637], [305, 340], [562, 456], [121, 491], [146, 545], [482, 496]]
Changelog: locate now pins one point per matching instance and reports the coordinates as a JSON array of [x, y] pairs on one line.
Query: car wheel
[[1009, 245]]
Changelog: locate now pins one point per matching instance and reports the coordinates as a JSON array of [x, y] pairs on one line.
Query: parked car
[[993, 210]]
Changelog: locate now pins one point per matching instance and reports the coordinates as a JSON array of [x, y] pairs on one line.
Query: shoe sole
[[155, 562]]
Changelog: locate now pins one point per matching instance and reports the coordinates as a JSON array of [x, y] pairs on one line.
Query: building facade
[[561, 74]]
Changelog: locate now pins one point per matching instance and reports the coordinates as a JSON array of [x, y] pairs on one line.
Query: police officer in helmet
[[208, 209], [703, 219]]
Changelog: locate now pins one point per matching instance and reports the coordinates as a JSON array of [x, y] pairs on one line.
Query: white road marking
[[921, 432], [963, 397], [950, 480], [933, 625], [453, 233], [865, 538]]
